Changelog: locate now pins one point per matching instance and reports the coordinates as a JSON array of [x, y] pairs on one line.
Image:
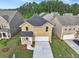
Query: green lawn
[[61, 50], [14, 44], [3, 42], [21, 53], [11, 44]]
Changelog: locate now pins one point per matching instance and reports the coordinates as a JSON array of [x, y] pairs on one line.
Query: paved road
[[73, 45], [42, 50]]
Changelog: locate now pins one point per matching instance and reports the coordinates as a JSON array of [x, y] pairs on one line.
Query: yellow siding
[[39, 30], [23, 28]]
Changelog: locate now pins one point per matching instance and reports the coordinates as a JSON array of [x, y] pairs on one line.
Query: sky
[[6, 4]]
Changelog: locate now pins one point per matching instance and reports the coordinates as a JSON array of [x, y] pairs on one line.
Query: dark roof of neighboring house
[[8, 15], [26, 34], [68, 20], [36, 20]]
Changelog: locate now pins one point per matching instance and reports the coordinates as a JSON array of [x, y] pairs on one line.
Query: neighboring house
[[9, 23], [40, 27], [66, 26], [36, 29], [49, 16]]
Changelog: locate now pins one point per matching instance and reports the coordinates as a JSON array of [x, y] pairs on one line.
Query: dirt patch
[[6, 49], [23, 47]]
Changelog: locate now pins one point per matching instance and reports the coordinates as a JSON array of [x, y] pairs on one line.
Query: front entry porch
[[4, 35], [27, 39]]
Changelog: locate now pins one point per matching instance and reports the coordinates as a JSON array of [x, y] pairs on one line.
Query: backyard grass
[[13, 45], [61, 50]]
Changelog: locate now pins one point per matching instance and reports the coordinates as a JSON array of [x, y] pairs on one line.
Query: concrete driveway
[[73, 45], [42, 50]]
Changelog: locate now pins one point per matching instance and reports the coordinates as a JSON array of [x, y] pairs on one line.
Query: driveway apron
[[42, 50]]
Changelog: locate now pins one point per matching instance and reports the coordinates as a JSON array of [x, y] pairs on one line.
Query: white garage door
[[70, 36], [41, 38]]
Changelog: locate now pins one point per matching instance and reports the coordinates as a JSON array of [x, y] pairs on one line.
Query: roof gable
[[36, 20], [68, 20], [8, 15]]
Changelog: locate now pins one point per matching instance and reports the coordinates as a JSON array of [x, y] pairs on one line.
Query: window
[[0, 35], [4, 34], [73, 28], [46, 28], [77, 32], [65, 28], [27, 28], [69, 28], [0, 27], [26, 38]]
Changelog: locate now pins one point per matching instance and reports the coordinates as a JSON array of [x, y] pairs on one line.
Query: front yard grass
[[13, 45], [61, 50], [10, 43], [3, 42], [21, 53]]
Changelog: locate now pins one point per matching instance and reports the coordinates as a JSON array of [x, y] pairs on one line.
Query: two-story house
[[36, 29], [9, 23], [66, 26]]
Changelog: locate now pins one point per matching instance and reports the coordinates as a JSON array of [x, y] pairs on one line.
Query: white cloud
[[27, 0], [32, 1]]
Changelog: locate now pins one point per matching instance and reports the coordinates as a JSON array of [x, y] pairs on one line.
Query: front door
[[4, 35]]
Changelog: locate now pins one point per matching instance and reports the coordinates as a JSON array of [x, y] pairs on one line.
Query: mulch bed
[[23, 47], [6, 49]]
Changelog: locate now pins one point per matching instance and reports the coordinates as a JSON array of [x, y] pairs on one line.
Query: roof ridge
[[36, 20]]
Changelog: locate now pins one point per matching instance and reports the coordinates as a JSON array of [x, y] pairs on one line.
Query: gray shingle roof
[[36, 20], [4, 30], [9, 15], [6, 17], [68, 20], [48, 17], [26, 34]]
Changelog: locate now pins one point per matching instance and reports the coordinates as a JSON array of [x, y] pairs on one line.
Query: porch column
[[2, 35], [7, 35]]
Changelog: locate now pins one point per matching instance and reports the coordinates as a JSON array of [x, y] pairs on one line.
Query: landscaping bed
[[10, 46]]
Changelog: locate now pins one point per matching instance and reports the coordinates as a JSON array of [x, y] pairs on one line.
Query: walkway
[[42, 50], [73, 45]]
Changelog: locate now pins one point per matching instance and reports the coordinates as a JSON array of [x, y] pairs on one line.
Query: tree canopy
[[48, 6]]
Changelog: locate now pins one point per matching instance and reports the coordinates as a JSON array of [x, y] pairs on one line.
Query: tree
[[28, 9]]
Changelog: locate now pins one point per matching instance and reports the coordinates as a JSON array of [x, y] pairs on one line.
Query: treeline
[[28, 9]]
